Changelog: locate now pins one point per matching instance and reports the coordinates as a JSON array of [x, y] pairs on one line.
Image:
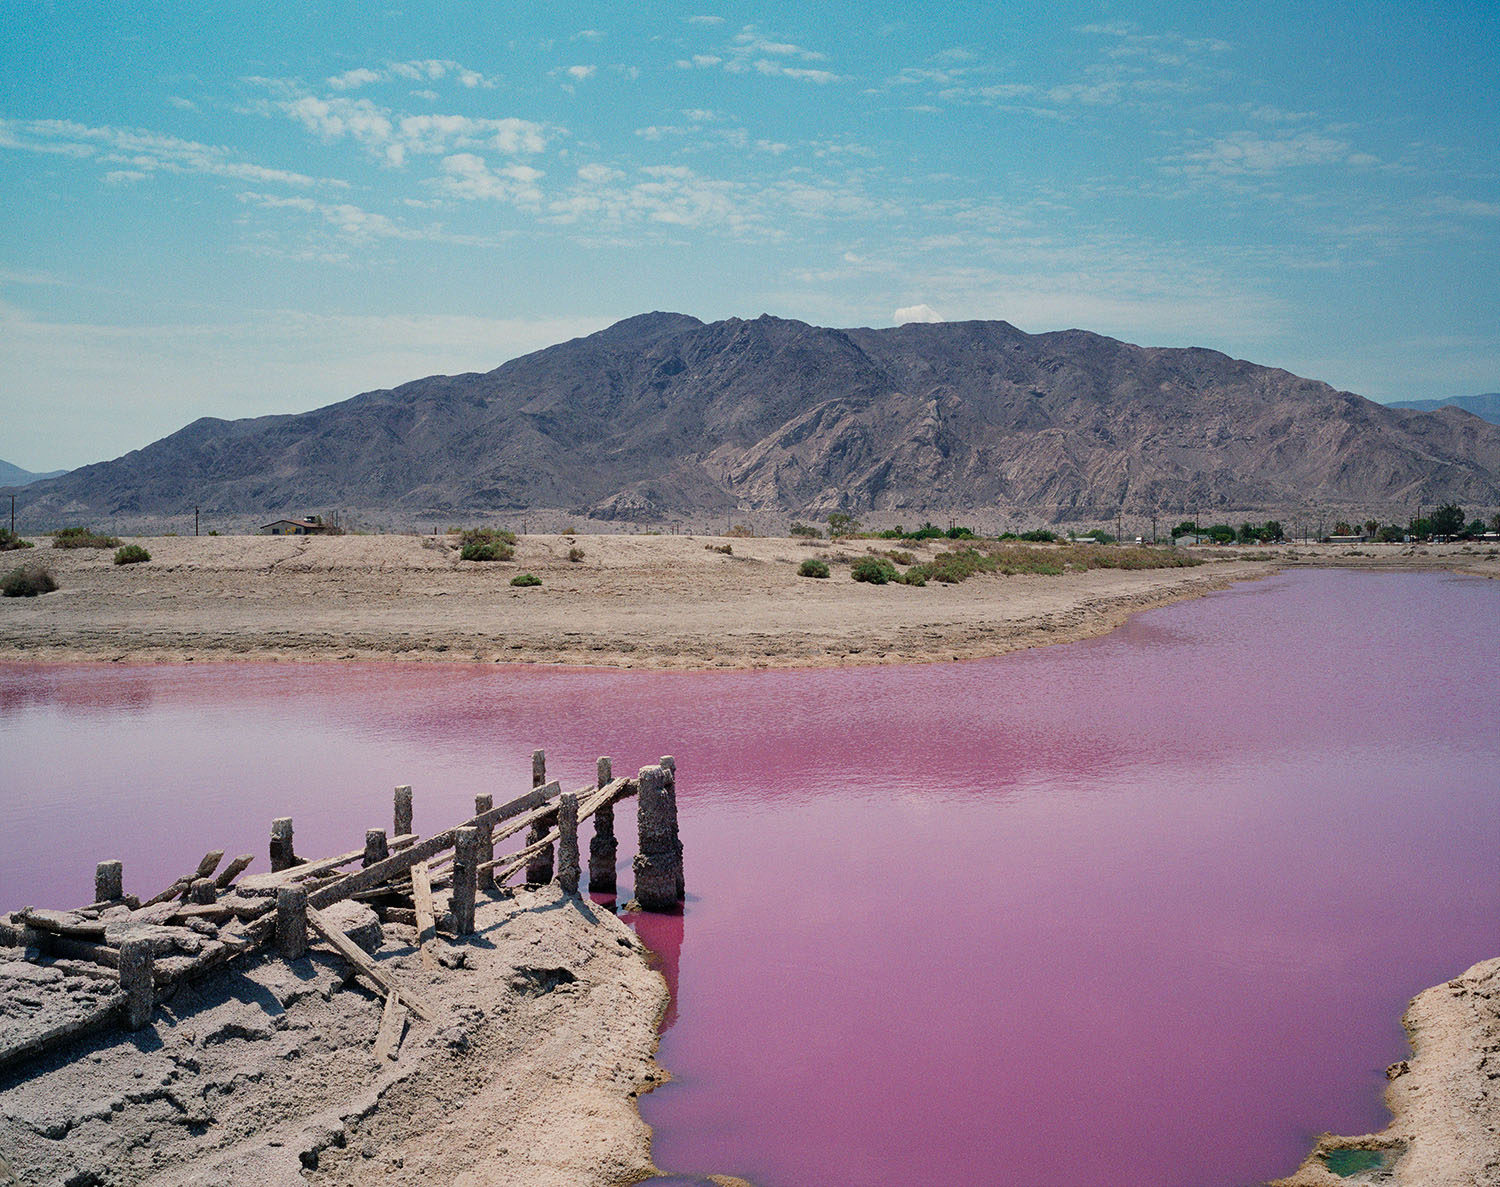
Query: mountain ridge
[[663, 415], [1486, 405]]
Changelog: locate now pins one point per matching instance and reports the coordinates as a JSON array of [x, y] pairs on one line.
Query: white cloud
[[145, 152], [469, 177], [581, 72], [1241, 153], [911, 313], [124, 176], [392, 137], [589, 35], [352, 79], [750, 51], [705, 20]]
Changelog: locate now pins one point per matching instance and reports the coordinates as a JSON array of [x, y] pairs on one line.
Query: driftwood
[[233, 870], [382, 981], [62, 923], [270, 883]]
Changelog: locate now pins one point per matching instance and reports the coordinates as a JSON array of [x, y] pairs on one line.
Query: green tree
[[1271, 530], [840, 523], [1448, 520]]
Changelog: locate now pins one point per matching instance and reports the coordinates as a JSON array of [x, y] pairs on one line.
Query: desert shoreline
[[687, 603]]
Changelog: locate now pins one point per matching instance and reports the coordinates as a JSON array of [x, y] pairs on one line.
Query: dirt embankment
[[266, 1075], [631, 601], [1444, 1100]]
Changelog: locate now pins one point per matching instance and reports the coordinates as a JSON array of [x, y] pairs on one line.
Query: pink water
[[1141, 910]]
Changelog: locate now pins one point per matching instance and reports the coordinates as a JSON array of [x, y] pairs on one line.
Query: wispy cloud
[[415, 70], [138, 151], [1242, 153], [751, 51], [469, 177]]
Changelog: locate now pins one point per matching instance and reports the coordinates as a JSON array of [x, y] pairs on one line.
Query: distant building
[[311, 525], [1359, 538]]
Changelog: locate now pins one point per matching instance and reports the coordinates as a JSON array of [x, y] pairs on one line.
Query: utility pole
[[1153, 529], [195, 521], [13, 515]]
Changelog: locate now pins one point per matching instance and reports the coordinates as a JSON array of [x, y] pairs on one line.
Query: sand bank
[[1444, 1102], [631, 602], [266, 1074]]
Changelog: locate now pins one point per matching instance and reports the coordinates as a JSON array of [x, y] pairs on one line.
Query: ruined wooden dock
[[111, 962]]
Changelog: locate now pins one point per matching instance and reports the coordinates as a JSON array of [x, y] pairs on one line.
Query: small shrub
[[805, 530], [915, 577], [499, 543], [1040, 536], [213, 533], [900, 557], [521, 580], [9, 541], [877, 570], [82, 538], [740, 532], [575, 555], [27, 582], [131, 554], [726, 549], [813, 567]]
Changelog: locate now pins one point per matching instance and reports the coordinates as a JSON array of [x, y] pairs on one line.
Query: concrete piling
[[203, 891], [291, 922], [282, 855], [465, 879], [138, 980], [657, 864], [376, 846], [669, 766], [109, 882], [402, 819], [567, 843], [603, 847]]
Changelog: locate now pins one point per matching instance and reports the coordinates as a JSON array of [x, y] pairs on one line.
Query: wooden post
[[291, 922], [282, 856], [465, 879], [203, 892], [138, 980], [403, 811], [109, 882], [539, 868], [233, 870], [603, 848], [482, 804], [376, 848], [669, 767], [656, 863], [538, 767], [567, 842]]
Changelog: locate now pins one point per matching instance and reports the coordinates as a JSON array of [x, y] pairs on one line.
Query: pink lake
[[1143, 910]]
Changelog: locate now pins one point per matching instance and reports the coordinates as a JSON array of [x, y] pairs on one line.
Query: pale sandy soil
[[267, 1076], [633, 601], [1444, 1101]]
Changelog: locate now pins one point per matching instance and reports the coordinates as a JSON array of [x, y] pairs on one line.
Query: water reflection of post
[[663, 935]]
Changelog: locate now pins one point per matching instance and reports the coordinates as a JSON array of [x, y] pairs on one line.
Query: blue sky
[[225, 210]]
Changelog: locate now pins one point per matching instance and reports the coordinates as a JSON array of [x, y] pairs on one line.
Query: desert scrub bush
[[27, 582], [522, 580], [813, 567], [740, 532], [1130, 556], [131, 554], [82, 538], [914, 577], [10, 541], [1040, 536], [485, 552], [575, 555], [726, 549], [503, 542], [897, 555], [805, 530], [877, 570]]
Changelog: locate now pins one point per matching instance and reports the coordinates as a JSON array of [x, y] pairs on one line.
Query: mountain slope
[[663, 414], [15, 476], [1486, 406]]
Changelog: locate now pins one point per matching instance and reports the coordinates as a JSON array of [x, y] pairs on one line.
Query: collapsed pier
[[115, 961]]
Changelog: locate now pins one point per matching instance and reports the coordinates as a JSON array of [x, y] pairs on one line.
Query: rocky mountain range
[[1485, 406], [663, 415]]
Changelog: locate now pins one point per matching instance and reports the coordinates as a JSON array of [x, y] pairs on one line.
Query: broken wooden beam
[[382, 981], [392, 1024], [233, 870], [426, 925]]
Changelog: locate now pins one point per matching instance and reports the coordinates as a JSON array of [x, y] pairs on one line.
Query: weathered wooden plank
[[208, 865], [392, 1026], [421, 888], [269, 883], [382, 981], [62, 923], [502, 868], [398, 863], [233, 870]]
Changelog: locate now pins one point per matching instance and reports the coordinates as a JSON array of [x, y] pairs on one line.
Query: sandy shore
[[1445, 1108], [266, 1074], [631, 602]]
